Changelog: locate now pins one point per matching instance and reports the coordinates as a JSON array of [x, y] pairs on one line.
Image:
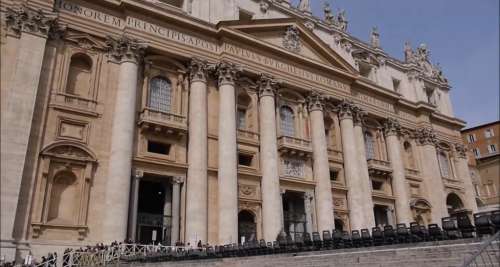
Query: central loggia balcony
[[293, 146], [162, 122], [379, 167]]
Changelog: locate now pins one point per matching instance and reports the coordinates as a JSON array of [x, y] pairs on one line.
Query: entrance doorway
[[339, 225], [153, 222], [294, 215], [454, 204], [381, 217], [247, 227]]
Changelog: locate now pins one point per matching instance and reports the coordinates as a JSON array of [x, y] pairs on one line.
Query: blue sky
[[462, 35]]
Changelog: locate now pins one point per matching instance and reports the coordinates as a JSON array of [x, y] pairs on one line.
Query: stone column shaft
[[228, 162], [321, 166], [308, 209], [132, 228], [464, 175], [272, 206], [197, 180], [176, 200], [399, 187]]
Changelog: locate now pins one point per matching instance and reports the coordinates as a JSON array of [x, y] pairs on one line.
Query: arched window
[[160, 94], [369, 145], [444, 164], [410, 161], [63, 198], [329, 132], [287, 121], [80, 70]]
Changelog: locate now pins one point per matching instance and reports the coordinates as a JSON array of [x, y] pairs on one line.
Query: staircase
[[427, 254]]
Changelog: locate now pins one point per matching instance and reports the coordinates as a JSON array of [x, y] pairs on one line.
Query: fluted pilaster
[[464, 175]]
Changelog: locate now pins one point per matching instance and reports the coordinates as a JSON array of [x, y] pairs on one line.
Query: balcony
[[379, 167], [335, 155], [248, 136], [294, 146], [162, 122], [75, 103]]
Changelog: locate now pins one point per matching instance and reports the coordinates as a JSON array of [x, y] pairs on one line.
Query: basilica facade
[[221, 121]]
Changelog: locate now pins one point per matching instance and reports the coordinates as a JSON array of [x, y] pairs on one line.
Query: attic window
[[377, 185], [158, 148], [364, 70], [395, 85], [245, 159], [245, 15]]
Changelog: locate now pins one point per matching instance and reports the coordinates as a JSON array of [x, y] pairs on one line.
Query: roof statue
[[305, 6], [375, 38], [421, 58], [342, 20], [329, 16]]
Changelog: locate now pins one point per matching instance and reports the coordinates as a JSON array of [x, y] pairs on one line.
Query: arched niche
[[421, 209], [454, 204], [62, 193]]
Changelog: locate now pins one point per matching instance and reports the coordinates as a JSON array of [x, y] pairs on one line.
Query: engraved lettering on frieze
[[373, 101]]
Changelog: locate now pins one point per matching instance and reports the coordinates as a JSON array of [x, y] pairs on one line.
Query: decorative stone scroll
[[315, 101], [198, 70], [227, 72], [392, 127], [461, 150], [426, 136], [291, 39], [267, 85], [125, 49], [27, 19]]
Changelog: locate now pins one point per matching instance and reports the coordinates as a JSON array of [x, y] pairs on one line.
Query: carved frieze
[[426, 136], [27, 19], [125, 49], [198, 70], [227, 72], [392, 127]]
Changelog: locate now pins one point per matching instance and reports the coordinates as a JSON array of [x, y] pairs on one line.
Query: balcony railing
[[294, 146], [248, 135], [162, 121], [75, 101], [335, 154], [379, 167]]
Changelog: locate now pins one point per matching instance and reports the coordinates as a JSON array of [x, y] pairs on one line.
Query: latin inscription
[[196, 42]]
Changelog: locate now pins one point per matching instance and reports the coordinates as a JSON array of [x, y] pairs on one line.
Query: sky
[[462, 35]]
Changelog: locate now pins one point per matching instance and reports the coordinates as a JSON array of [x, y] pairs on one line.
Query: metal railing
[[487, 255]]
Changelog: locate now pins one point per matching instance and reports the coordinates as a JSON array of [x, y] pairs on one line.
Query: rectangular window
[[472, 138], [477, 154], [245, 160], [158, 148], [395, 85], [333, 175], [489, 133], [492, 149], [377, 185]]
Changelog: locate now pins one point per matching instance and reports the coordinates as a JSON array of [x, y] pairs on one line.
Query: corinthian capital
[[198, 70], [461, 150], [358, 115], [267, 85], [27, 19], [227, 72], [125, 49], [315, 101], [426, 136], [391, 127], [346, 109]]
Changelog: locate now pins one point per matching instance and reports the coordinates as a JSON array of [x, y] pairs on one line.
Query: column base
[[8, 250]]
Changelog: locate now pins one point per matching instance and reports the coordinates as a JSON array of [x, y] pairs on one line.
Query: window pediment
[[69, 150]]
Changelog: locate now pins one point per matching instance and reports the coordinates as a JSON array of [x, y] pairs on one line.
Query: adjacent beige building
[[165, 121]]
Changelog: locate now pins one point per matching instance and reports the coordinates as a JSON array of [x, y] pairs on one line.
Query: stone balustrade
[[246, 135], [380, 167], [294, 146], [162, 121]]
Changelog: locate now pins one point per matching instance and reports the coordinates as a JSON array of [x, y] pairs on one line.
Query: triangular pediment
[[86, 41], [294, 37]]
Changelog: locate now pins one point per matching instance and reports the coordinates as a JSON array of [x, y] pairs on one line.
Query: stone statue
[[423, 52], [329, 17], [305, 6], [342, 20], [375, 38], [408, 52]]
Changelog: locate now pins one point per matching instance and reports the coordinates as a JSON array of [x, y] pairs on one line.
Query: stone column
[[321, 166], [228, 161], [308, 209], [127, 52], [176, 208], [364, 181], [272, 206], [355, 193], [431, 174], [134, 199], [399, 187], [32, 28], [197, 180], [464, 175]]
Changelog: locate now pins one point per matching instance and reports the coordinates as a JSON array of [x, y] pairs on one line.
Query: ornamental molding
[[426, 136], [267, 85], [392, 127], [198, 70], [461, 150], [30, 20], [291, 39], [125, 49], [247, 191], [315, 101], [227, 72]]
